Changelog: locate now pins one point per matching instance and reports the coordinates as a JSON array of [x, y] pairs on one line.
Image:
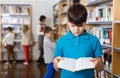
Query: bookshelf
[[55, 20], [99, 21], [116, 39], [106, 12], [15, 16], [59, 17]]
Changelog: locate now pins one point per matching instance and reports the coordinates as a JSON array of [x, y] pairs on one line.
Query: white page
[[84, 63], [67, 63]]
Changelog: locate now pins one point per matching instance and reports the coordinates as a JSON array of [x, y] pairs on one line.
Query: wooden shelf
[[116, 76], [15, 16], [104, 46], [116, 39], [63, 24], [117, 21], [64, 13], [101, 22], [97, 2], [117, 49]]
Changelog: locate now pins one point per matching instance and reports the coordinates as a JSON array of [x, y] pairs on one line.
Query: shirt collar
[[85, 35]]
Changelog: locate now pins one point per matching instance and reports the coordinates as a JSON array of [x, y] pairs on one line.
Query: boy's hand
[[99, 65], [56, 61]]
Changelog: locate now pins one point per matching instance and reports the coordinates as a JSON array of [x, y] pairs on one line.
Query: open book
[[76, 65]]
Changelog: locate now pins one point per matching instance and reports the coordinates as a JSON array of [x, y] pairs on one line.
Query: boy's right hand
[[56, 61]]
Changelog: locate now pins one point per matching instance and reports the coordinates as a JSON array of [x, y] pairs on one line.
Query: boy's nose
[[76, 28]]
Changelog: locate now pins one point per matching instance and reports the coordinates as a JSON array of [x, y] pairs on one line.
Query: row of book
[[64, 20], [64, 8], [100, 13], [55, 10], [64, 30], [103, 33], [16, 28], [55, 20], [15, 10], [16, 20], [63, 11]]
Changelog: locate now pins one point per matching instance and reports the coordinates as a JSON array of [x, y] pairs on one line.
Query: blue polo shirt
[[70, 46]]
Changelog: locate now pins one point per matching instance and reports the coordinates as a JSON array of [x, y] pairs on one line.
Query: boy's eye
[[73, 25]]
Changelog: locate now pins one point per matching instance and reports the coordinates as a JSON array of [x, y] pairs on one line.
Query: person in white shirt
[[8, 42], [40, 33]]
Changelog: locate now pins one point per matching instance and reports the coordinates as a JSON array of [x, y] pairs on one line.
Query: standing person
[[40, 33], [8, 41], [77, 44], [26, 41], [48, 52]]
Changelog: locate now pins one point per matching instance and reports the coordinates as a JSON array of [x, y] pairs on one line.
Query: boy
[[8, 41], [78, 43], [48, 52]]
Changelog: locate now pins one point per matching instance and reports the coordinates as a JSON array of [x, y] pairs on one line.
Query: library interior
[[32, 30]]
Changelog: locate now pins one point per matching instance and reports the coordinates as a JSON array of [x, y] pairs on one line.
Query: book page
[[67, 63], [84, 63]]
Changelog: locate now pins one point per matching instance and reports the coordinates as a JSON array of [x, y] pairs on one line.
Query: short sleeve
[[97, 48]]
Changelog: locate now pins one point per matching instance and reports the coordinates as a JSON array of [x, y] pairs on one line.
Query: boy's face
[[76, 30], [44, 20]]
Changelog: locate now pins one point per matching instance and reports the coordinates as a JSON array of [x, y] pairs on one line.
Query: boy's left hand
[[99, 65]]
